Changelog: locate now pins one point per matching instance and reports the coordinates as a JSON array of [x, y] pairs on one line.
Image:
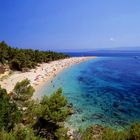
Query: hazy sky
[[70, 24]]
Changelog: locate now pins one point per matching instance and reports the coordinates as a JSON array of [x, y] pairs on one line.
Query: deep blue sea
[[104, 90]]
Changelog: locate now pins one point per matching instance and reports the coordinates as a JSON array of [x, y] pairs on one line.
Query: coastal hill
[[25, 59]]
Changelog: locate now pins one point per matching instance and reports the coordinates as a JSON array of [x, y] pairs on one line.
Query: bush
[[134, 132], [19, 133], [106, 133], [23, 90], [51, 113]]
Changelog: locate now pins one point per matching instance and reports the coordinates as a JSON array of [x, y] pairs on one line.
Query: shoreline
[[41, 74]]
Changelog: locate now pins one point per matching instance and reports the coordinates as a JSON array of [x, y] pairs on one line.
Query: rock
[[78, 110], [70, 134], [83, 120], [70, 111], [24, 108], [97, 116], [115, 114], [122, 110], [25, 69], [121, 122], [2, 69], [97, 130], [115, 104], [70, 105]]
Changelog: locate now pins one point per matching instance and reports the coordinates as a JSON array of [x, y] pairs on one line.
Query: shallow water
[[105, 90]]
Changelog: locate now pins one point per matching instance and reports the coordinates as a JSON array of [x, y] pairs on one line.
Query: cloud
[[112, 39]]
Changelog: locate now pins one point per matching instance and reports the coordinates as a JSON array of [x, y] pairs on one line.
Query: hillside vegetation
[[24, 59], [22, 118]]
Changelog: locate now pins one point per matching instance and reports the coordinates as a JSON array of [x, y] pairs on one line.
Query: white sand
[[41, 74]]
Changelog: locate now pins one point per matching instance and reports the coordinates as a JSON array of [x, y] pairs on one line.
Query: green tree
[[23, 90], [3, 52], [51, 113], [110, 134], [61, 134], [19, 133], [24, 59], [9, 113]]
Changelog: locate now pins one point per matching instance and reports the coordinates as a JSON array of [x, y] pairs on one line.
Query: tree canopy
[[22, 118], [44, 119], [23, 59], [9, 113], [23, 90]]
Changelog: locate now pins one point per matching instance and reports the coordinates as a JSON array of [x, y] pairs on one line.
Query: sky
[[70, 25]]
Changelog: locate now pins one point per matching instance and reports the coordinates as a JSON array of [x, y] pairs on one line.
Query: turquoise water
[[105, 91]]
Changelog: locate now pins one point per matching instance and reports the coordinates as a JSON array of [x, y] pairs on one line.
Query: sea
[[103, 91]]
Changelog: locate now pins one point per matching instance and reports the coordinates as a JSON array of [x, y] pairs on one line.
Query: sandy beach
[[41, 74]]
